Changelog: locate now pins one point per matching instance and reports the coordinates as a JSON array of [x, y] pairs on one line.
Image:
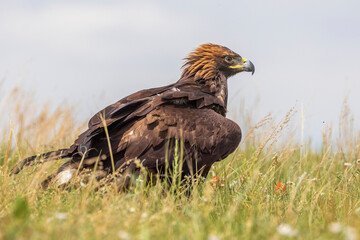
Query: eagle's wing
[[206, 137], [126, 105], [119, 113], [122, 114]]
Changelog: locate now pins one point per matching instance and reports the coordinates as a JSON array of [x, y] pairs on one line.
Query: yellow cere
[[238, 66]]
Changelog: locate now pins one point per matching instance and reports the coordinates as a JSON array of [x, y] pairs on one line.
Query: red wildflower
[[280, 188], [216, 181]]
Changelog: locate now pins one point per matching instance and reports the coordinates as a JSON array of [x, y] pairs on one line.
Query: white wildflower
[[124, 235], [82, 184], [347, 164], [290, 183], [144, 215], [322, 194], [234, 183], [314, 179], [358, 162], [334, 227], [351, 233], [287, 230], [60, 216], [357, 210], [213, 237], [132, 210]]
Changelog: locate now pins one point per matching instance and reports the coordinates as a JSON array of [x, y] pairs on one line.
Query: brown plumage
[[147, 125]]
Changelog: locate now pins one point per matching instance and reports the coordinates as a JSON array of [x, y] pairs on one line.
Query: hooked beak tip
[[249, 67]]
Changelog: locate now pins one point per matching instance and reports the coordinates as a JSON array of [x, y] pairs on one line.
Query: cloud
[[97, 52], [66, 24]]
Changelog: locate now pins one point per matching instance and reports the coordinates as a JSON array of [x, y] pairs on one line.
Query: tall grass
[[272, 187]]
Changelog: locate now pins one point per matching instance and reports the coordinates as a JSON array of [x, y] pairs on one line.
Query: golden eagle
[[149, 126]]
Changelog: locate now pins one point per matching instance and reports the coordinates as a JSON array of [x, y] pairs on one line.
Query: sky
[[93, 53]]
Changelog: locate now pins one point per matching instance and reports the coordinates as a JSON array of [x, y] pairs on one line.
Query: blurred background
[[92, 53]]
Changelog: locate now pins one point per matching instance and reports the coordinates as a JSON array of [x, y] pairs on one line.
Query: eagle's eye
[[229, 59]]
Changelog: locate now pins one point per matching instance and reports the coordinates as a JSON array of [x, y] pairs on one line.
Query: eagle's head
[[209, 60]]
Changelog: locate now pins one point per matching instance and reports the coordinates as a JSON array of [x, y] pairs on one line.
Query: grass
[[271, 188]]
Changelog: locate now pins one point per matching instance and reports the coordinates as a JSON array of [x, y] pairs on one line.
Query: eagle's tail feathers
[[53, 155]]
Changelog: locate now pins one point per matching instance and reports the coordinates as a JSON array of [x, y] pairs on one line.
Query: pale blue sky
[[93, 53]]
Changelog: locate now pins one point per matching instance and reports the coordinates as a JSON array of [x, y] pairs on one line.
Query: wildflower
[[357, 210], [82, 184], [132, 210], [322, 194], [351, 233], [314, 179], [144, 215], [216, 181], [234, 183], [213, 237], [287, 230], [334, 227], [290, 183], [358, 162], [280, 188], [60, 216], [188, 177], [124, 235], [347, 164]]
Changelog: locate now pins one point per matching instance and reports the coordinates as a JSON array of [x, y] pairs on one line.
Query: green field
[[272, 187]]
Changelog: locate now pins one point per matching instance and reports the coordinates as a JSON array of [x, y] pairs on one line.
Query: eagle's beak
[[246, 66]]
